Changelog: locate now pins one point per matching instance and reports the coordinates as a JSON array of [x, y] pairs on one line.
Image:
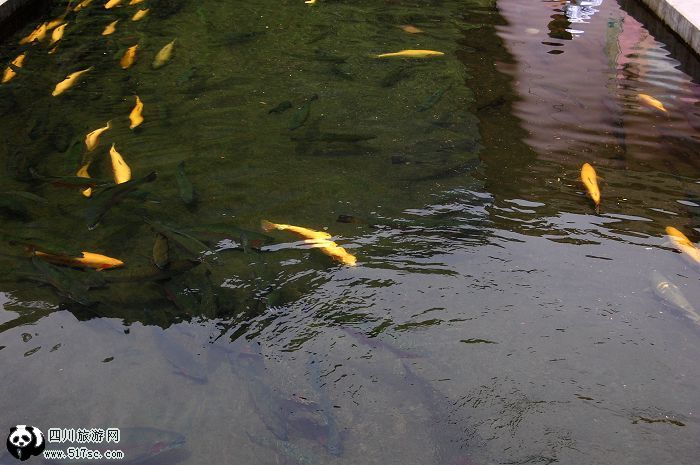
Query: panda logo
[[25, 441]]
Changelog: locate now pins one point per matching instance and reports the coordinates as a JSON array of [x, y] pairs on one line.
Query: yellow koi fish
[[83, 173], [652, 102], [411, 54], [57, 33], [81, 5], [55, 22], [588, 177], [68, 82], [411, 29], [129, 57], [111, 27], [319, 239], [9, 72], [37, 35], [139, 15], [333, 250], [163, 56], [684, 245], [112, 3], [299, 230], [310, 2], [88, 260], [135, 2], [120, 170], [92, 139], [135, 115]]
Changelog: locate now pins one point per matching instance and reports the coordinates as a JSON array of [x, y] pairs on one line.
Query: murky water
[[492, 318]]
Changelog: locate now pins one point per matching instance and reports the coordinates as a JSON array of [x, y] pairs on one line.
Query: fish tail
[[267, 226]]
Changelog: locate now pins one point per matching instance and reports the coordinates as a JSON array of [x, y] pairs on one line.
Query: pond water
[[493, 317]]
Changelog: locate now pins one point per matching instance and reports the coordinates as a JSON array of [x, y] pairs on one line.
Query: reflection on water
[[492, 316]]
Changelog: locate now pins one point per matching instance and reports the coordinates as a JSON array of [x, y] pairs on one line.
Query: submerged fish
[[139, 15], [36, 35], [160, 251], [191, 244], [184, 185], [120, 170], [433, 99], [68, 82], [163, 56], [135, 2], [129, 57], [652, 102], [83, 173], [58, 33], [411, 54], [334, 440], [302, 114], [282, 107], [92, 139], [411, 29], [112, 3], [11, 73], [63, 281], [395, 76], [588, 177], [88, 260], [670, 293], [292, 453], [81, 5], [182, 361], [103, 201], [111, 27], [135, 115], [684, 245]]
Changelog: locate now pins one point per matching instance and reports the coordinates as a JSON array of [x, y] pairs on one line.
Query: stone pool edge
[[680, 17], [14, 14]]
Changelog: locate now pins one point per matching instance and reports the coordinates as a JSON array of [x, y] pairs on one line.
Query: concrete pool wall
[[682, 16]]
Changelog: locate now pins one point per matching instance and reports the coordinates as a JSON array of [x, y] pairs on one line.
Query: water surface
[[493, 316]]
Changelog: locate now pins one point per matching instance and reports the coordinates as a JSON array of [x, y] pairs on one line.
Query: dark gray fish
[[226, 231], [160, 251], [140, 274], [375, 343], [433, 99], [138, 445], [184, 185], [191, 244], [183, 362], [393, 77], [342, 70], [302, 113], [71, 181], [333, 437], [42, 244], [104, 200], [671, 294], [238, 38], [281, 108], [325, 55], [63, 281], [293, 453]]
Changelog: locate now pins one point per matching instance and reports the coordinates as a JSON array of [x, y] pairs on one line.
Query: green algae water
[[492, 316]]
